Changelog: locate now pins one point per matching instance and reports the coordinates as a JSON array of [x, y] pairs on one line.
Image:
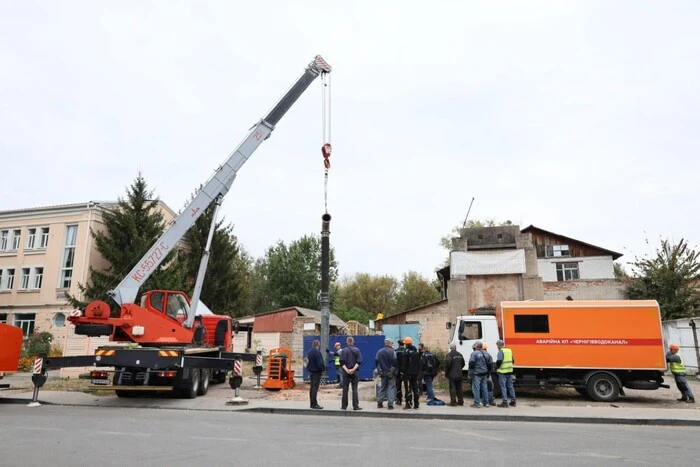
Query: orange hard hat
[[407, 340], [673, 347], [485, 347]]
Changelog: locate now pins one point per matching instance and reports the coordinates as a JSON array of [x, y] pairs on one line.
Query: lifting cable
[[326, 147]]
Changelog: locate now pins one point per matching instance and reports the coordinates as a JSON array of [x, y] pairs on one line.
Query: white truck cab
[[471, 328]]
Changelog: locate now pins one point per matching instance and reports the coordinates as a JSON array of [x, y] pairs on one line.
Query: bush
[[37, 343]]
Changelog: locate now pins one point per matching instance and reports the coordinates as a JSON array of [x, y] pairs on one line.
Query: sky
[[580, 118]]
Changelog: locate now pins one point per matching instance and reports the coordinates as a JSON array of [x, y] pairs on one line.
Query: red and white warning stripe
[[258, 360], [38, 363], [237, 367]]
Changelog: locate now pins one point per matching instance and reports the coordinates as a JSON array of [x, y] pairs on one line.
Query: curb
[[485, 418]]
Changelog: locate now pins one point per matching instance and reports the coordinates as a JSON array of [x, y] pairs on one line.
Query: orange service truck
[[597, 347]]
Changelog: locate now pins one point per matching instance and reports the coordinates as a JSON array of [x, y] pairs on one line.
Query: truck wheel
[[603, 387], [191, 391], [204, 381]]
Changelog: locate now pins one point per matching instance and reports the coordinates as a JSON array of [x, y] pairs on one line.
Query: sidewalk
[[523, 413]]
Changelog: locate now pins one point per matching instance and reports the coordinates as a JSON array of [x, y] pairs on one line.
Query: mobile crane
[[172, 349]]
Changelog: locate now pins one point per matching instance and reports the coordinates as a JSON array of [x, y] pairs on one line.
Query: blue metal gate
[[399, 331], [368, 345]]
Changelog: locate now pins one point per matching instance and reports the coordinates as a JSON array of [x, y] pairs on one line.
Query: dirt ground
[[662, 398]]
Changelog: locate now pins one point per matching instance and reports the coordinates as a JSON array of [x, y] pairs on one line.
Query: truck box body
[[611, 334], [10, 347]]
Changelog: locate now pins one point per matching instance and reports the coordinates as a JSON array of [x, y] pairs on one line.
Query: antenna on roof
[[468, 210]]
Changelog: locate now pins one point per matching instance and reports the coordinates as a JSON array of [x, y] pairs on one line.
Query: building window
[[26, 322], [3, 318], [8, 279], [532, 323], [4, 236], [38, 277], [59, 320], [558, 251], [567, 271], [31, 238], [44, 238], [68, 257], [16, 237], [24, 283]]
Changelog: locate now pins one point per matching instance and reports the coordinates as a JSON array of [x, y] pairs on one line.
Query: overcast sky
[[578, 117]]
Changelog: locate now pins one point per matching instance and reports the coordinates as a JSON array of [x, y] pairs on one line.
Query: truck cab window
[[157, 301], [531, 323], [470, 330]]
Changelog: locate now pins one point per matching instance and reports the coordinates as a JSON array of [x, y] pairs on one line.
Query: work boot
[[691, 400], [512, 403], [391, 407], [682, 399], [380, 405], [503, 404], [407, 407], [453, 404]]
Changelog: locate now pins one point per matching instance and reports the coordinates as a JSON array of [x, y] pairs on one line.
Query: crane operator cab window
[[156, 301], [177, 307]]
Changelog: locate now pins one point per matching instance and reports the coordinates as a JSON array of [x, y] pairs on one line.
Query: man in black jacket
[[454, 362], [316, 367], [411, 370], [399, 365]]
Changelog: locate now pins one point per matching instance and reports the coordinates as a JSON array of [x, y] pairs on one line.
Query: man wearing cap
[[679, 373], [411, 370], [479, 371], [504, 368], [399, 370], [386, 367]]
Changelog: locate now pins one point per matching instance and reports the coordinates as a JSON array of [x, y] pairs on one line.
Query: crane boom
[[215, 188]]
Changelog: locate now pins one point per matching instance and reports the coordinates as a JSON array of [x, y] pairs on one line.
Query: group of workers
[[402, 372]]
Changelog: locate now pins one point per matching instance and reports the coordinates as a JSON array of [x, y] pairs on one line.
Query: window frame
[[526, 324], [20, 319], [570, 269], [24, 279], [69, 251], [31, 238], [44, 237]]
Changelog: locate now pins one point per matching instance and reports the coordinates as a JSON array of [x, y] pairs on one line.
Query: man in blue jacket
[[316, 367]]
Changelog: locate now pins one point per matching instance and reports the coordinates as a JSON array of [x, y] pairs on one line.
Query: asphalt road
[[69, 436]]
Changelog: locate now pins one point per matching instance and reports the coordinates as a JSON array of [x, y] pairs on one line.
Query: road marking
[[219, 439], [121, 433], [594, 455], [334, 445], [473, 434], [37, 428], [444, 449]]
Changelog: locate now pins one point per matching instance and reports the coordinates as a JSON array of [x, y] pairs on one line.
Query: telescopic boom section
[[217, 186]]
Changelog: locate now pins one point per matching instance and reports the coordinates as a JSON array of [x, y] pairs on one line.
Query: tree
[[226, 282], [373, 294], [354, 314], [668, 278], [130, 229], [415, 291], [292, 274], [619, 271]]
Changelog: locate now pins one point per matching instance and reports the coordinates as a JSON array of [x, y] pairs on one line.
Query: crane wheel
[[204, 381], [191, 391]]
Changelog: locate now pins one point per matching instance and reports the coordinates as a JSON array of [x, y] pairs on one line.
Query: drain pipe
[[325, 285]]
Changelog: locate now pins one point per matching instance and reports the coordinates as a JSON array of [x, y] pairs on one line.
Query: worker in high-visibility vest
[[504, 368], [336, 364], [679, 373]]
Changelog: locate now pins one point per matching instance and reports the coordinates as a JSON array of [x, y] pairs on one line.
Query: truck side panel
[[10, 347], [586, 335]]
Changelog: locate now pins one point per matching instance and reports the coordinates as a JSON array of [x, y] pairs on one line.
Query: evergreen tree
[[226, 286], [130, 229]]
